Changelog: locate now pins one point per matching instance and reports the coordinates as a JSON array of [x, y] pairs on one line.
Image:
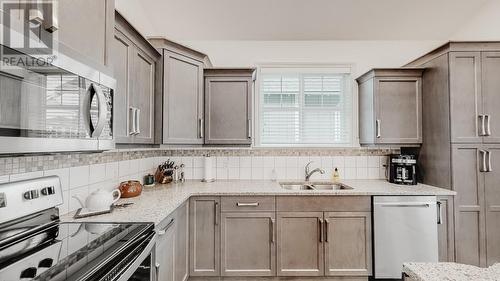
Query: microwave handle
[[92, 91], [103, 110]]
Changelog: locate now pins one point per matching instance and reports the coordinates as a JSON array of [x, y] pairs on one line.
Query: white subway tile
[[316, 160], [221, 162], [245, 162], [338, 162], [245, 173], [63, 175], [361, 161], [187, 161], [257, 161], [188, 172], [291, 161], [349, 173], [197, 173], [81, 193], [78, 176], [25, 176], [292, 173], [233, 173], [350, 161], [280, 161], [198, 162], [4, 179], [257, 173], [382, 173], [326, 162], [233, 162], [373, 161], [97, 173], [112, 170], [268, 162], [361, 173], [302, 161], [221, 173], [64, 207], [134, 166], [373, 173], [124, 168], [268, 173], [280, 173]]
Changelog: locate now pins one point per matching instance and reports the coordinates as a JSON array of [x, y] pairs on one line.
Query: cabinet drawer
[[323, 203], [247, 203]]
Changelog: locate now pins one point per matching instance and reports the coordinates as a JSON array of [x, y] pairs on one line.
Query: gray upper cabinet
[[390, 106], [490, 88], [181, 110], [228, 111], [90, 38], [465, 97], [134, 62]]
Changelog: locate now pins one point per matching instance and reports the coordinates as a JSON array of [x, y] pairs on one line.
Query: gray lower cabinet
[[492, 205], [204, 236], [348, 243], [390, 106], [134, 62], [248, 244], [300, 244], [446, 233], [228, 110], [181, 266], [165, 253]]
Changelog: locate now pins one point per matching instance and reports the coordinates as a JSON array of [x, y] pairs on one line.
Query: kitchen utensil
[[130, 189]]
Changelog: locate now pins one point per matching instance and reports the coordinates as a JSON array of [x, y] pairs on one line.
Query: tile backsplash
[[82, 174]]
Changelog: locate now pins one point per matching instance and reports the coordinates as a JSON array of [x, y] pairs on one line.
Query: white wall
[[484, 25], [362, 54]]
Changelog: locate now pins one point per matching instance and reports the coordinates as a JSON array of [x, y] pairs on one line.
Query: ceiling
[[299, 19]]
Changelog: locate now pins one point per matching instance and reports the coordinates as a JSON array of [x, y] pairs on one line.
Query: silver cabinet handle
[[138, 121], [488, 155], [488, 128], [326, 230], [483, 125], [216, 219], [132, 120], [201, 128], [377, 123], [272, 230], [255, 204], [320, 221], [249, 127], [440, 215], [406, 205], [163, 231], [483, 161], [157, 271]]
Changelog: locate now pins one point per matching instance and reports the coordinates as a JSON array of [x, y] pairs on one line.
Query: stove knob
[[48, 190], [29, 272], [31, 194]]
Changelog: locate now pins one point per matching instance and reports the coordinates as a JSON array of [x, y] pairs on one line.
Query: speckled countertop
[[156, 203], [449, 271]]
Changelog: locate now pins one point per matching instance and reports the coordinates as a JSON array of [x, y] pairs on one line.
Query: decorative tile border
[[32, 163]]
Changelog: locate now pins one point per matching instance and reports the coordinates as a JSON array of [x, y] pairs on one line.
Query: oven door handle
[[137, 262]]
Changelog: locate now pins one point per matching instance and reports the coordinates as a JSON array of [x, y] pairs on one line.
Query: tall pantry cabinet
[[461, 142]]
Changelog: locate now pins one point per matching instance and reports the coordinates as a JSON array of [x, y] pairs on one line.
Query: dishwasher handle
[[406, 205]]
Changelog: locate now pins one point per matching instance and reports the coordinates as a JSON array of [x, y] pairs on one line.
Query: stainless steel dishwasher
[[405, 230]]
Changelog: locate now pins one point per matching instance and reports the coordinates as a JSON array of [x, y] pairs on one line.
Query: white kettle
[[101, 199]]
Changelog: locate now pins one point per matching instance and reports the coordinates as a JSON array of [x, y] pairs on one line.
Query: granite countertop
[[156, 203], [449, 271]]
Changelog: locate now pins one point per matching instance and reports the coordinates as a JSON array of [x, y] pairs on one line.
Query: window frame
[[306, 68]]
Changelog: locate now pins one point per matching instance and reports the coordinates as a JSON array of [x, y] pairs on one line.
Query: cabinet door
[[468, 182], [165, 253], [122, 61], [300, 244], [490, 88], [90, 38], [204, 236], [143, 96], [348, 244], [181, 243], [492, 214], [247, 244], [446, 237], [228, 110], [465, 97], [398, 102], [182, 100]]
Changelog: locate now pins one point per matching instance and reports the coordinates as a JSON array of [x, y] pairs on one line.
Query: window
[[305, 107]]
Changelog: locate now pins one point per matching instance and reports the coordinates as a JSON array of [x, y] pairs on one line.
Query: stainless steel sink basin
[[313, 186]]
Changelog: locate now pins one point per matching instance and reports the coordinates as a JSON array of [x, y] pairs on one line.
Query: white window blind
[[305, 109]]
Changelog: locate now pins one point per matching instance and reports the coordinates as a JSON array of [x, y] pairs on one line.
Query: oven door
[[46, 102], [141, 269]]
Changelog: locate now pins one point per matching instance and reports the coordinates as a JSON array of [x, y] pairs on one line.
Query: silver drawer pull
[[440, 215], [163, 231], [406, 205], [377, 128], [255, 204]]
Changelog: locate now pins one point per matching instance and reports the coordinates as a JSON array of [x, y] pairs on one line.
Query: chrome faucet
[[310, 173]]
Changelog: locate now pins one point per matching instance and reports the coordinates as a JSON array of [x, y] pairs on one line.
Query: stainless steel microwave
[[47, 108]]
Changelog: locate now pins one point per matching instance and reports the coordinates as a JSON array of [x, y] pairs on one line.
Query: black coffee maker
[[403, 169]]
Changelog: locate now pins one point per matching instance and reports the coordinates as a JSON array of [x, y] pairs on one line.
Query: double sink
[[313, 186]]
